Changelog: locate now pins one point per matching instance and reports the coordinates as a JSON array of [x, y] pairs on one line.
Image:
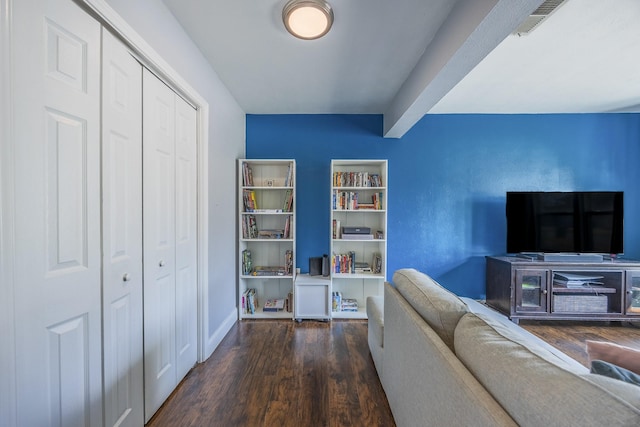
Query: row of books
[[288, 201], [249, 269], [251, 204], [249, 200], [356, 179], [247, 176], [349, 200], [346, 264], [288, 181], [338, 303], [250, 229], [249, 301]]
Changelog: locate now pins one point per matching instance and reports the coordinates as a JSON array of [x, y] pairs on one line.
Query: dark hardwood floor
[[282, 373], [570, 336]]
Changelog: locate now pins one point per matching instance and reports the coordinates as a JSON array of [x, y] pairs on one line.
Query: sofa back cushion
[[440, 308], [537, 387]]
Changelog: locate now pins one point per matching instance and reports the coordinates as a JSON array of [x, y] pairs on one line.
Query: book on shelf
[[247, 175], [287, 227], [265, 270], [362, 268], [379, 234], [344, 263], [266, 210], [288, 182], [249, 227], [288, 201], [247, 266], [336, 301], [249, 200], [376, 264], [288, 262], [366, 206], [271, 234], [249, 301], [288, 304], [336, 230], [273, 305]]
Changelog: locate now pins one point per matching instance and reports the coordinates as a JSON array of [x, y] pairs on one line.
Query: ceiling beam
[[472, 30]]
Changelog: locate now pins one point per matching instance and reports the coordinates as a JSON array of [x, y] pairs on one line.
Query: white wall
[[156, 25]]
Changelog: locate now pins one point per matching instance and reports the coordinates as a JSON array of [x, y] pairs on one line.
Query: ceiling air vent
[[539, 15]]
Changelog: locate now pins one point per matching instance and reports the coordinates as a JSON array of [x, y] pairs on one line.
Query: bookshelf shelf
[[266, 207], [358, 209]]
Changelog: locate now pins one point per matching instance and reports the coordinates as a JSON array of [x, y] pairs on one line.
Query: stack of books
[[349, 304], [274, 305]]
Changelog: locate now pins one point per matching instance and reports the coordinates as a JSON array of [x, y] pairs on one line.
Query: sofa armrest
[[423, 379], [375, 327]]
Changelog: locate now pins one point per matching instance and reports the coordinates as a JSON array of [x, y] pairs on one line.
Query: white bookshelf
[[351, 179], [272, 239]]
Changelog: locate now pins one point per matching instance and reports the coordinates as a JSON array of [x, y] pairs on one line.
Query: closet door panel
[[159, 241], [56, 118], [186, 238], [122, 234]]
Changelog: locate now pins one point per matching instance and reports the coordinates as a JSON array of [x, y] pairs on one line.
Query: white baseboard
[[216, 338]]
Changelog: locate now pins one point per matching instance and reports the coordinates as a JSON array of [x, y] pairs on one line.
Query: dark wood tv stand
[[526, 288]]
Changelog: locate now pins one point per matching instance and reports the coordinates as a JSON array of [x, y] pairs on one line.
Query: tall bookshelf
[[358, 232], [267, 236]]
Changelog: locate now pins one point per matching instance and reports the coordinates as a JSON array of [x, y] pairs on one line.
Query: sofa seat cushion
[[440, 308], [535, 386], [478, 308]]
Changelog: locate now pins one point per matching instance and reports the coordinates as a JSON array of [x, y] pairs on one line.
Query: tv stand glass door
[[531, 291]]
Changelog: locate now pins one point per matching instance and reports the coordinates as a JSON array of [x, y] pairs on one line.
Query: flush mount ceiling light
[[307, 19]]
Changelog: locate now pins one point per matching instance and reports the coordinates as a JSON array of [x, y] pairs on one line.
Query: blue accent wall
[[448, 177]]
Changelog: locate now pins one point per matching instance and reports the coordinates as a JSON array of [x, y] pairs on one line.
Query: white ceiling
[[407, 58]]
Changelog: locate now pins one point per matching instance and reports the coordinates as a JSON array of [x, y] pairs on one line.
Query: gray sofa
[[445, 360]]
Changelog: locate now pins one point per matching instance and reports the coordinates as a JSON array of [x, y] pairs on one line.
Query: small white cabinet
[[312, 297]]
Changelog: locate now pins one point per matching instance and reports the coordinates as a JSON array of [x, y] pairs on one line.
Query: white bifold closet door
[[170, 240], [122, 234], [56, 118]]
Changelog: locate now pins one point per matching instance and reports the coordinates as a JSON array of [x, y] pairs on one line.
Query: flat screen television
[[565, 222]]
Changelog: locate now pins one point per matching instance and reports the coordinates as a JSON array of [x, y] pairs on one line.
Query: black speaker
[[315, 266], [325, 265]]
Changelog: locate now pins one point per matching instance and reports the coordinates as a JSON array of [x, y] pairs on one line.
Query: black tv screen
[[567, 222]]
